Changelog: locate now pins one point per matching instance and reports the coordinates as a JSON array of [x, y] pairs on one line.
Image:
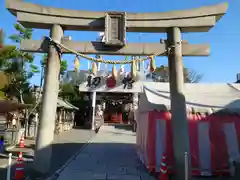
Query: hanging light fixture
[[152, 64], [114, 72], [103, 105], [94, 68], [134, 70], [121, 70], [76, 64]]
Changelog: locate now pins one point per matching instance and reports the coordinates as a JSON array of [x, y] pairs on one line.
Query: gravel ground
[[65, 145]]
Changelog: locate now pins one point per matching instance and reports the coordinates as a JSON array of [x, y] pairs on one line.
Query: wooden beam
[[136, 49], [194, 20]]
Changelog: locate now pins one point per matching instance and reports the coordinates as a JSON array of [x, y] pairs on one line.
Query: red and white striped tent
[[214, 136]]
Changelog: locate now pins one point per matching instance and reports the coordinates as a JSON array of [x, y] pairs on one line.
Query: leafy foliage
[[4, 82], [6, 52], [18, 66], [22, 33], [193, 77], [43, 62], [190, 76], [69, 92], [63, 66]]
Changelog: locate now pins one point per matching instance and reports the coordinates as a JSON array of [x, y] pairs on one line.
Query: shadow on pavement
[[127, 127], [82, 127], [61, 154], [65, 145], [120, 159], [111, 160]]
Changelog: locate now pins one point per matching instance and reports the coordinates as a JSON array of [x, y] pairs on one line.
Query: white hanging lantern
[[121, 70], [135, 101], [76, 64], [126, 107], [126, 74], [120, 74], [104, 105]]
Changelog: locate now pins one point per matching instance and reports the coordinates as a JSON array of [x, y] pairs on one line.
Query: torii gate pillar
[[178, 102], [43, 152]]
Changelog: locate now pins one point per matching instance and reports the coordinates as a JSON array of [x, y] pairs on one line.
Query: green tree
[[190, 76], [19, 67], [6, 51], [43, 62], [69, 92]]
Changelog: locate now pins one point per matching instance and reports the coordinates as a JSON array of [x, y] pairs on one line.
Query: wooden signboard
[[115, 29]]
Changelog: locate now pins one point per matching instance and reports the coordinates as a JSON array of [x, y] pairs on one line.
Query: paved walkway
[[65, 145], [110, 155]]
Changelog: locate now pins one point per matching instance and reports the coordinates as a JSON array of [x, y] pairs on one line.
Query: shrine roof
[[64, 104], [9, 106]]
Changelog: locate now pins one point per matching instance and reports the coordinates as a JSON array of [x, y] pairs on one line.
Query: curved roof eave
[[62, 103], [8, 106], [73, 107]]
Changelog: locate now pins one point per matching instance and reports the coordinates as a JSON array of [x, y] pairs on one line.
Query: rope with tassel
[[133, 62], [102, 60]]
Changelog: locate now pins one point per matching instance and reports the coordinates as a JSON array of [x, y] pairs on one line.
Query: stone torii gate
[[173, 23]]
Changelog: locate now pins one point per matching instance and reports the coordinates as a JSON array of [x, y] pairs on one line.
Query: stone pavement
[[110, 155], [65, 145]]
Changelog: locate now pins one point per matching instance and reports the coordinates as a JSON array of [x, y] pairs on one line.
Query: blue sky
[[221, 66]]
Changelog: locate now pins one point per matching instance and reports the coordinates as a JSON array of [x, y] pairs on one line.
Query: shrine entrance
[[116, 107], [115, 25]]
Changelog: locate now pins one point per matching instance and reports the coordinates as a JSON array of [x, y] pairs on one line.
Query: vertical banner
[[204, 145], [219, 153], [151, 142], [193, 138]]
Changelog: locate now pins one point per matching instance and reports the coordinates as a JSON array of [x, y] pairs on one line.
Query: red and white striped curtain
[[214, 141]]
